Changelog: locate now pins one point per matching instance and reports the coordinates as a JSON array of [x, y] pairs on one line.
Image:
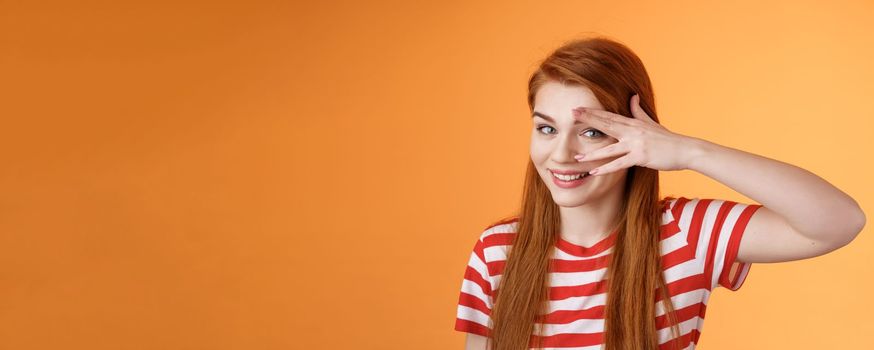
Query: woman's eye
[[595, 130], [540, 128]]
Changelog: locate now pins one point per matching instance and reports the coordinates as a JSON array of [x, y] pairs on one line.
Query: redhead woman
[[596, 258]]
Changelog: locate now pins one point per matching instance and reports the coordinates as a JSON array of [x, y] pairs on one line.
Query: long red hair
[[634, 274]]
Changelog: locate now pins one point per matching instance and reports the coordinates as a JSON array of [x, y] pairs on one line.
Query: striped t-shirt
[[699, 243]]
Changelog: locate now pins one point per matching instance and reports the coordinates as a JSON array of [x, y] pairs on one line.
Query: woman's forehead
[[557, 100], [554, 93]]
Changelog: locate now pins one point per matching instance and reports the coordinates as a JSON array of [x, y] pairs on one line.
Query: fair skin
[[474, 342], [793, 223], [588, 212]]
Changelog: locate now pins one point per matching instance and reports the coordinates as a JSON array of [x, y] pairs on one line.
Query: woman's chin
[[569, 200]]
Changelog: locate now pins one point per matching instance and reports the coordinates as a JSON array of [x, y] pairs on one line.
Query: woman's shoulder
[[672, 201], [501, 231], [506, 222]]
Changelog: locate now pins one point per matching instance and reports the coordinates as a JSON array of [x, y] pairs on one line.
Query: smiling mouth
[[570, 177]]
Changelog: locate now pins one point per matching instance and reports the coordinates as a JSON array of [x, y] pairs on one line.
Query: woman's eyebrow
[[544, 116]]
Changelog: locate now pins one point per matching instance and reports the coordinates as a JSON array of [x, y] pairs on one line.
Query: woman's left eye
[[595, 130]]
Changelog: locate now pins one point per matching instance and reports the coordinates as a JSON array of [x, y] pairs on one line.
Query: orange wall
[[276, 175]]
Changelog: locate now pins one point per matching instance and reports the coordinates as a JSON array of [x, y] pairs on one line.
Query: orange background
[[291, 175]]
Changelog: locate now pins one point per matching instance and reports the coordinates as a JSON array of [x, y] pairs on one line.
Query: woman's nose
[[566, 149]]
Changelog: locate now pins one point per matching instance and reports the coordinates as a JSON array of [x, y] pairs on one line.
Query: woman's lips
[[569, 184]]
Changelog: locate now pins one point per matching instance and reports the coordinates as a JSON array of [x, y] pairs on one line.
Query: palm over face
[[642, 141]]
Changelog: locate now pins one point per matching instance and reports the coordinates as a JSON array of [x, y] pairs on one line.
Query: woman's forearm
[[807, 202]]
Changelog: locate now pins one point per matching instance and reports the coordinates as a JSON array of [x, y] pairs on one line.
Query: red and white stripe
[[699, 243]]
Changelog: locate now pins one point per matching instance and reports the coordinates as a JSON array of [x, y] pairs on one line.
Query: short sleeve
[[475, 300], [721, 225]]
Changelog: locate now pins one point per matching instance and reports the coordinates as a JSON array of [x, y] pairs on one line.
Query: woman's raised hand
[[642, 141]]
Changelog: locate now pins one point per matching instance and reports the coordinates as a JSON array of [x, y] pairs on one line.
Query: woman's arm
[[802, 215], [474, 342]]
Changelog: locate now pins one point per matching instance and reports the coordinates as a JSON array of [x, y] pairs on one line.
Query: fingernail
[[580, 156], [593, 172]]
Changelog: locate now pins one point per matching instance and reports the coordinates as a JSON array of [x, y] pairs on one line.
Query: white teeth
[[567, 177]]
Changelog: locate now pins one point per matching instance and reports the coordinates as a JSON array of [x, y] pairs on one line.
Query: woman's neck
[[591, 222]]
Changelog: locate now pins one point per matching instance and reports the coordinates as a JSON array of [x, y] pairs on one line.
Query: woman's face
[[555, 142]]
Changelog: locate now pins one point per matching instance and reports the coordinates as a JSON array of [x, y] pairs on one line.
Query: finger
[[610, 123], [637, 111], [618, 164], [612, 150]]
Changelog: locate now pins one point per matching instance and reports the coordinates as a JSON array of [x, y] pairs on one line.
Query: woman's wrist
[[696, 151]]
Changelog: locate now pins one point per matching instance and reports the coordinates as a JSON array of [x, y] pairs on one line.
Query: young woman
[[595, 258]]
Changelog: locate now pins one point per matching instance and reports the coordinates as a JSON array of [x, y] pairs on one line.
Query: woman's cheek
[[539, 151]]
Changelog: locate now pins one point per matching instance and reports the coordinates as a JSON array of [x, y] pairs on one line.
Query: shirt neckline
[[583, 251], [607, 242]]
